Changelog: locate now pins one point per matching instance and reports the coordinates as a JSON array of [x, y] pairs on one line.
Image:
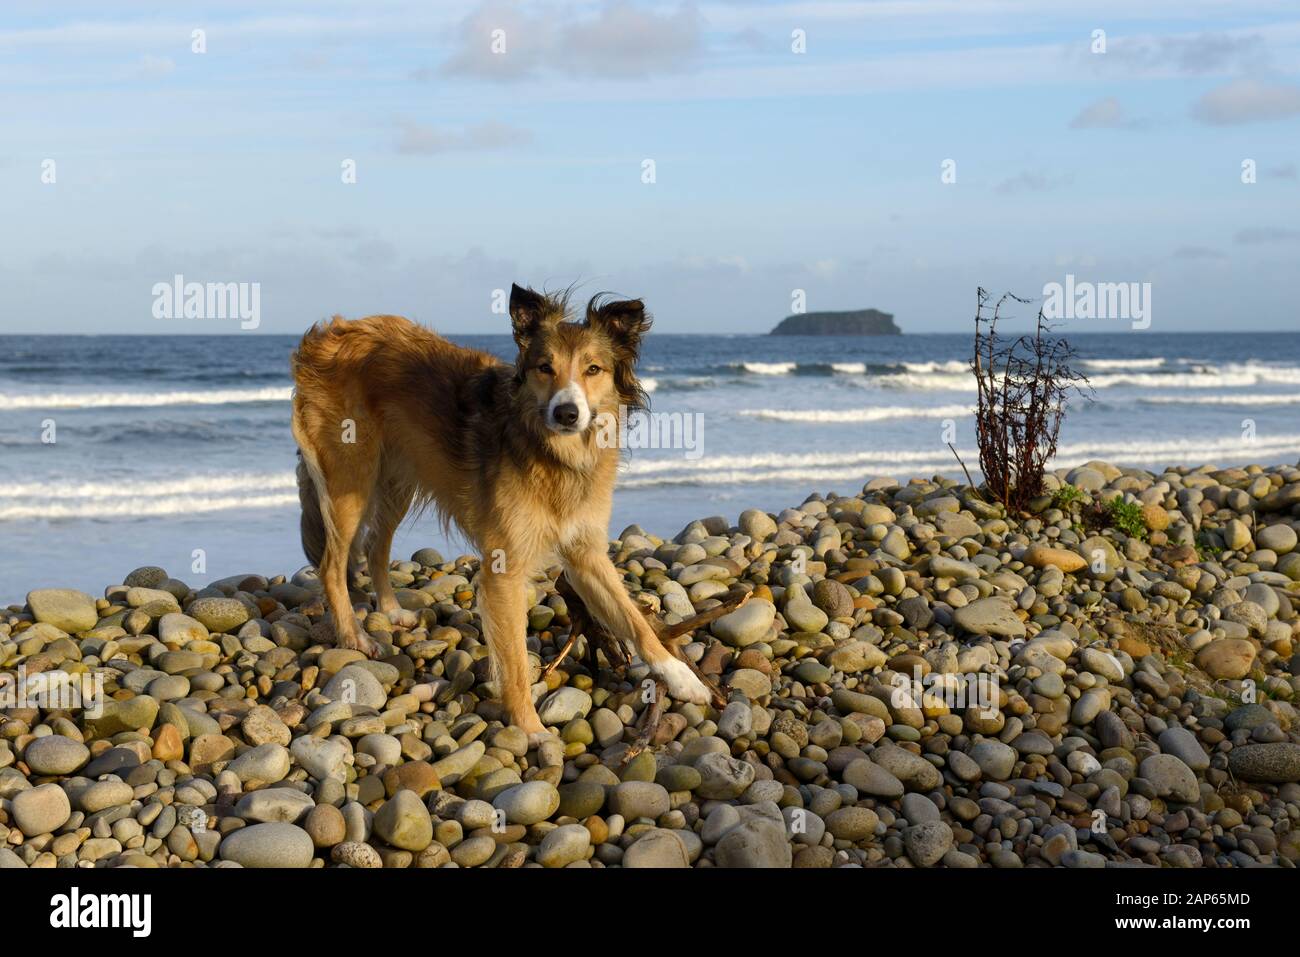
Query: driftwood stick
[[670, 634], [718, 699], [554, 663], [581, 623], [615, 653], [969, 481], [649, 723], [733, 600]]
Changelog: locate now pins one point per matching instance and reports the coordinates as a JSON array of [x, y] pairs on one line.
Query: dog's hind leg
[[345, 493], [389, 505], [597, 582]]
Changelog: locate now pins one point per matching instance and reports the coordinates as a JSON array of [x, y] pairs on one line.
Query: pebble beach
[[918, 679]]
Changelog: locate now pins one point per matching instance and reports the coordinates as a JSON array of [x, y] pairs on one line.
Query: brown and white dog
[[388, 414]]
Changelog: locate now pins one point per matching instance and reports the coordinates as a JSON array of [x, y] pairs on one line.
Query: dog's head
[[572, 371]]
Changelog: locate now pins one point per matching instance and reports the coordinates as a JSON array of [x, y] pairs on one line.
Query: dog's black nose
[[566, 413]]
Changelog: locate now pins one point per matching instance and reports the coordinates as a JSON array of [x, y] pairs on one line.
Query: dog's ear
[[625, 321], [528, 313]]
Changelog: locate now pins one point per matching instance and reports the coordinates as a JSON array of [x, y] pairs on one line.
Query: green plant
[[1127, 517], [1117, 514], [1207, 545], [1068, 496]]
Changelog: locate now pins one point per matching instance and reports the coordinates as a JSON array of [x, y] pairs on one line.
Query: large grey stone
[[269, 805], [65, 608], [55, 754], [354, 684], [754, 842], [269, 845], [990, 616], [1276, 763], [657, 847], [40, 810], [1183, 745], [1170, 777], [747, 624]]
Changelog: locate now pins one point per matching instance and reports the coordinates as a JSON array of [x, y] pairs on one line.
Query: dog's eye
[[593, 370], [545, 369]]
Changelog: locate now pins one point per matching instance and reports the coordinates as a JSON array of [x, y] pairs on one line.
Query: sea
[[121, 451]]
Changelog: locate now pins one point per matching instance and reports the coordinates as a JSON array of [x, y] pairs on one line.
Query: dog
[[388, 415]]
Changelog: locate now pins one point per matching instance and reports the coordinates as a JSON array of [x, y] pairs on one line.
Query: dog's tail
[[312, 525]]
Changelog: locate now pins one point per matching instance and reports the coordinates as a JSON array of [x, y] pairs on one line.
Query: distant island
[[851, 322]]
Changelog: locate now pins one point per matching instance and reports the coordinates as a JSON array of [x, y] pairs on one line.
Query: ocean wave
[[172, 433], [922, 382], [1226, 377], [769, 368], [147, 497], [226, 375], [664, 465], [683, 383], [874, 414], [649, 385], [255, 482], [953, 366], [150, 507], [1122, 363], [143, 497], [842, 466], [1248, 399], [948, 368], [106, 400], [1229, 376]]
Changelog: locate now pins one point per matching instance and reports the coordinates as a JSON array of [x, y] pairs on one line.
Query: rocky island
[[850, 322]]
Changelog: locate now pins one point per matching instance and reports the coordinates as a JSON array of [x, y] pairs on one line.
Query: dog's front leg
[[505, 620], [596, 581]]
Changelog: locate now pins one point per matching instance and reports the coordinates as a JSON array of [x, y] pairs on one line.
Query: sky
[[721, 160]]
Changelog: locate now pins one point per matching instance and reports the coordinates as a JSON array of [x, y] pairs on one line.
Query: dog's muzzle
[[568, 411]]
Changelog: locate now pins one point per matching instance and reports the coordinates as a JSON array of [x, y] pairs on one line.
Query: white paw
[[538, 738], [403, 618], [681, 681]]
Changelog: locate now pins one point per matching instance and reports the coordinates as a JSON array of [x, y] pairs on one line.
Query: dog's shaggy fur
[[388, 414]]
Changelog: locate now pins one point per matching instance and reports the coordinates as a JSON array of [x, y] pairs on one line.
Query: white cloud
[[152, 67], [500, 41], [1267, 235], [1031, 181], [1247, 101], [1105, 113], [1197, 253], [421, 139], [1186, 54]]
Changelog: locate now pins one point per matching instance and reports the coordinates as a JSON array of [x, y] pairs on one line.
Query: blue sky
[[774, 170]]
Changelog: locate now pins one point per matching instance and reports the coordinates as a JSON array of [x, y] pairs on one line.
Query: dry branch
[[1024, 387]]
